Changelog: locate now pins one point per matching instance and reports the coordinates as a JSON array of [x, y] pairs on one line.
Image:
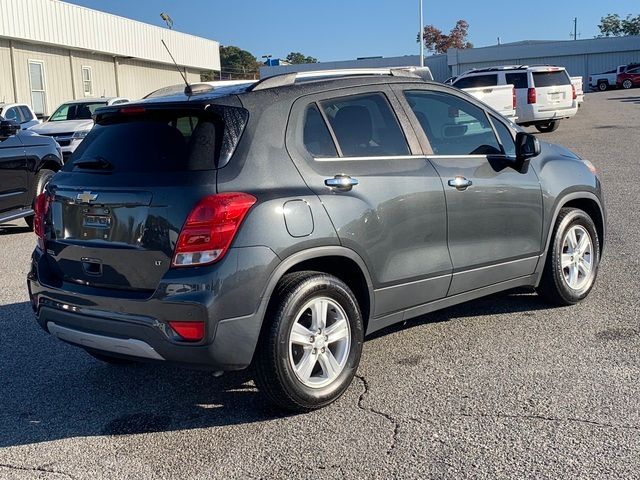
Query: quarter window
[[317, 139], [87, 81], [453, 125], [38, 95], [365, 125], [477, 81]]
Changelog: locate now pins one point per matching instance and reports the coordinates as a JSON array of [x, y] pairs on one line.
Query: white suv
[[544, 94]]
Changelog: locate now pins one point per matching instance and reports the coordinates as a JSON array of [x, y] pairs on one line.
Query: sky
[[347, 29]]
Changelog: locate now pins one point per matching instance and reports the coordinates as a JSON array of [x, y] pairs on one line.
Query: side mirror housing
[[8, 128], [527, 146]]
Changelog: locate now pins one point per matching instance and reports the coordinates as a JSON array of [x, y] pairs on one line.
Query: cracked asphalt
[[502, 387]]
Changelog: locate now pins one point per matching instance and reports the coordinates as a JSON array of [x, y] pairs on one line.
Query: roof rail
[[290, 78]]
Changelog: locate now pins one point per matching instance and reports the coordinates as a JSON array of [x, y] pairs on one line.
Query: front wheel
[[572, 262], [548, 127], [627, 84], [603, 86], [309, 352]]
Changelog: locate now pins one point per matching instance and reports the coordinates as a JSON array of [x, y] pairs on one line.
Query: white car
[[72, 121], [501, 98], [20, 113], [544, 94]]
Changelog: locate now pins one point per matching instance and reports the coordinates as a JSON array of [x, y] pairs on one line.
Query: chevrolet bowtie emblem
[[86, 197]]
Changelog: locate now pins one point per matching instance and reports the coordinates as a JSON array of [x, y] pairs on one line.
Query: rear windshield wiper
[[95, 163]]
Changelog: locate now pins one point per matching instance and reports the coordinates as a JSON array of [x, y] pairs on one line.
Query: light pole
[[267, 62], [420, 36], [167, 19]]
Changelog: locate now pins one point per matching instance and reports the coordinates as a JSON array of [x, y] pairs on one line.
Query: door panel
[[394, 218], [13, 174], [494, 213]]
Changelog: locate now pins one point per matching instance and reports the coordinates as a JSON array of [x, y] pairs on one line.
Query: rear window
[[477, 81], [551, 79], [161, 140]]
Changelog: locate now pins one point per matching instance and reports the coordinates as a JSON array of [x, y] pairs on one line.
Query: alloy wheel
[[577, 258]]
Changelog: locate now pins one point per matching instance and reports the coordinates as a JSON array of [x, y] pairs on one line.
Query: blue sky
[[346, 29]]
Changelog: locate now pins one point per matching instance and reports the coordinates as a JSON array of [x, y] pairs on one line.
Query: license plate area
[[99, 220]]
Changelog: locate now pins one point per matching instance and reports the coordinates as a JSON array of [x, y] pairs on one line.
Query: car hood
[[51, 128], [559, 150]]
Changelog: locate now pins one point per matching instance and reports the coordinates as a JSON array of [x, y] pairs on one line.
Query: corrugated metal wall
[[6, 80], [103, 74], [138, 78], [63, 24]]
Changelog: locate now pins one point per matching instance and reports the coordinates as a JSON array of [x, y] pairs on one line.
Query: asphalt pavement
[[502, 387]]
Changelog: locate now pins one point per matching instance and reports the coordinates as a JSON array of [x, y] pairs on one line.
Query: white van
[[544, 94]]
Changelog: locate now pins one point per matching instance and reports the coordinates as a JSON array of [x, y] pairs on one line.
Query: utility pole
[[575, 28], [420, 36]]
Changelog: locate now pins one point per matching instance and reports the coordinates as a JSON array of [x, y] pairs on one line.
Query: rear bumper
[[532, 114], [225, 296]]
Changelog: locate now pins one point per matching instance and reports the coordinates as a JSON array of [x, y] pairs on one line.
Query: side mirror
[[527, 146], [8, 128]]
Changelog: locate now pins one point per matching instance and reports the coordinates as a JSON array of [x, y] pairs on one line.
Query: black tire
[[105, 357], [42, 178], [603, 86], [627, 84], [548, 127], [553, 286], [273, 370]]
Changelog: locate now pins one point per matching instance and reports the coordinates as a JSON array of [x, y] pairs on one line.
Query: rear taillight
[[189, 331], [515, 98], [210, 228], [41, 207], [532, 97], [575, 94]]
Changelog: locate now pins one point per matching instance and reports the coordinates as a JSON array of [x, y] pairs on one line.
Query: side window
[[12, 115], [506, 137], [477, 81], [317, 139], [26, 114], [365, 125], [518, 80], [453, 125]]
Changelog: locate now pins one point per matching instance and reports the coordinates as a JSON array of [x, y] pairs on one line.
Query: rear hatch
[[119, 204], [553, 89]]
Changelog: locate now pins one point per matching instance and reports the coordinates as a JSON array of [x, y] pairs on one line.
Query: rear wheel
[[572, 262], [548, 127], [603, 86], [627, 84], [42, 179], [309, 352]]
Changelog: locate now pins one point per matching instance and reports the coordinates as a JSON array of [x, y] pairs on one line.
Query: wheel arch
[[50, 162]]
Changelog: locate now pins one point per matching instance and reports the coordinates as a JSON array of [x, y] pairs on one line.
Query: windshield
[[75, 111], [161, 140]]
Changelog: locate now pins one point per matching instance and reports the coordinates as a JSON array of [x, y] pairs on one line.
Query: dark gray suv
[[274, 225]]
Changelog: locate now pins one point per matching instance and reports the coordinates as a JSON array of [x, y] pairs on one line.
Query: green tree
[[238, 63], [297, 58], [438, 42], [613, 25]]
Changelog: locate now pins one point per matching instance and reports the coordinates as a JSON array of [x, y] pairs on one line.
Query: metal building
[[52, 51], [580, 57]]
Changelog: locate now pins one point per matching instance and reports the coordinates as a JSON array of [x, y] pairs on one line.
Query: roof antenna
[[187, 89]]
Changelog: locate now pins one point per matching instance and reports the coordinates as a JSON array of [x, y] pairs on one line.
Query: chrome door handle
[[460, 183], [341, 182]]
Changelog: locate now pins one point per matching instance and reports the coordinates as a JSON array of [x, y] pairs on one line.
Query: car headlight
[[81, 134], [590, 166]]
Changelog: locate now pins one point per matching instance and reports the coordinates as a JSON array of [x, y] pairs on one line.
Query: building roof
[[58, 23]]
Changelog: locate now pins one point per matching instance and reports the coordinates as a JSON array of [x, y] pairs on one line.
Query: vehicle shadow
[[626, 99], [50, 390], [13, 229]]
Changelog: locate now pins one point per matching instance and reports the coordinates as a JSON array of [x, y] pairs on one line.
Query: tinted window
[[518, 80], [551, 79], [477, 81], [12, 115], [165, 140], [26, 114], [365, 125], [506, 137], [453, 125], [76, 111], [317, 139], [634, 70]]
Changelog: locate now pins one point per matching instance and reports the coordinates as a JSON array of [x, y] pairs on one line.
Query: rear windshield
[[551, 79], [161, 140]]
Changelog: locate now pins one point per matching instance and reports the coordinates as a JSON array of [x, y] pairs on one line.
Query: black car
[[276, 224], [27, 162]]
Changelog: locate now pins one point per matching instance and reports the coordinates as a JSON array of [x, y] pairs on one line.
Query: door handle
[[341, 182], [460, 183]]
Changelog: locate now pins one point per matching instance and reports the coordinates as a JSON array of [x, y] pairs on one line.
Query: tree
[[614, 26], [237, 62], [297, 58], [438, 42]]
